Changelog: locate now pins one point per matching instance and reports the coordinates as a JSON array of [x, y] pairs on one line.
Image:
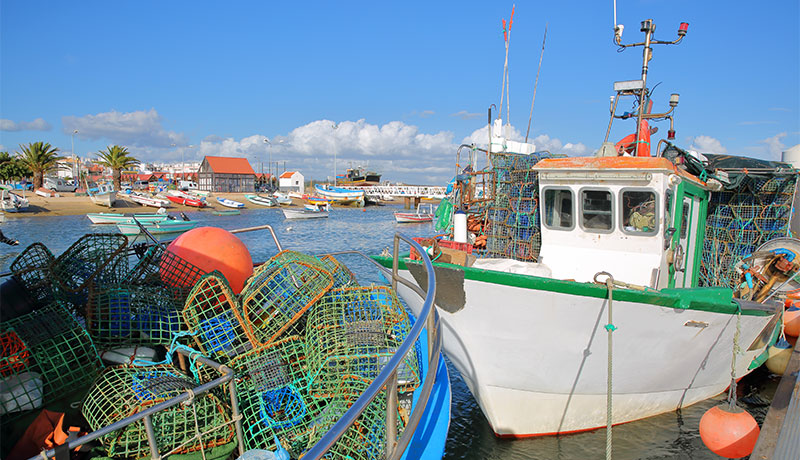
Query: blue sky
[[406, 82]]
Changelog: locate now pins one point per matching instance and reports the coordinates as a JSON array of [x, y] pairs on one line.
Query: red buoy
[[729, 433], [212, 248], [791, 321]]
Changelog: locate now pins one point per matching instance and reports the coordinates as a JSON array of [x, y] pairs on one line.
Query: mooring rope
[[610, 328], [736, 350]]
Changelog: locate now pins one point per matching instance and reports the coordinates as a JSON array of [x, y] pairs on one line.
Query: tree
[[39, 157], [117, 158], [11, 168]]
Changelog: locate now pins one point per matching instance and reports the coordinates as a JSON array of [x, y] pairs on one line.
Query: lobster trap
[[280, 292], [342, 276], [32, 270], [201, 423], [164, 269], [512, 226], [743, 218], [46, 355], [356, 331]]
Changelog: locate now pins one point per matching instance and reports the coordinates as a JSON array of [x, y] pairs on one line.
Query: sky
[[405, 83]]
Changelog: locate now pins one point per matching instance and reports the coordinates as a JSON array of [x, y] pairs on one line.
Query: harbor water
[[369, 230]]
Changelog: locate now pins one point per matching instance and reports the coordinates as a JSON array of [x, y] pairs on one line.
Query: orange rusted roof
[[287, 174], [229, 165], [618, 163]]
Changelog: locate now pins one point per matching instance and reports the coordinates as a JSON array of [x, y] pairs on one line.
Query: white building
[[291, 181]]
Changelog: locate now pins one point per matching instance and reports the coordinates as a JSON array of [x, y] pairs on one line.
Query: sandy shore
[[67, 204]]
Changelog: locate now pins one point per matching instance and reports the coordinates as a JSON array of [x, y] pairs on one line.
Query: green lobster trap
[[280, 292], [342, 276], [356, 331], [32, 270], [46, 356], [119, 392]]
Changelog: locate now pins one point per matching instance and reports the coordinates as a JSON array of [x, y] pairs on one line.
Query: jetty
[[780, 432]]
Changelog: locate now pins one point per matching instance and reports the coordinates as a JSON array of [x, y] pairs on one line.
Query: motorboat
[[11, 202], [114, 218], [424, 213], [308, 211], [340, 195], [262, 200], [158, 227], [103, 195], [146, 200], [179, 197], [229, 203]]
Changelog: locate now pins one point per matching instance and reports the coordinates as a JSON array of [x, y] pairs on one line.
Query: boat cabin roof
[[649, 164]]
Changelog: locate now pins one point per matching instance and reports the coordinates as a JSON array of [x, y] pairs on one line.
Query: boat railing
[[387, 378]]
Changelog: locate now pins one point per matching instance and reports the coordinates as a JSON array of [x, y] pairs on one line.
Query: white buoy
[[460, 227]]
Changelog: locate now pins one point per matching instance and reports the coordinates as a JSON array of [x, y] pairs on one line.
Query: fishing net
[[32, 270], [513, 229], [213, 314], [122, 391], [280, 291], [162, 268], [46, 356], [356, 331], [741, 220]]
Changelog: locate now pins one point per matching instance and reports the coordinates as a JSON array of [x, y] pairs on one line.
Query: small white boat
[[45, 192], [227, 202], [158, 228], [145, 200], [282, 198], [11, 202], [262, 200], [103, 195], [310, 211], [424, 214], [114, 218], [340, 195]]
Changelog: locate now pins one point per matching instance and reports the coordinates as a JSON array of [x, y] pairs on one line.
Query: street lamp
[[335, 127], [74, 158]]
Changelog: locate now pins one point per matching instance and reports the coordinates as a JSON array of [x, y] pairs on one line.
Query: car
[[59, 185]]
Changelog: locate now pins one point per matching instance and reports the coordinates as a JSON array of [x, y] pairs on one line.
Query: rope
[[172, 349], [610, 328], [736, 350]]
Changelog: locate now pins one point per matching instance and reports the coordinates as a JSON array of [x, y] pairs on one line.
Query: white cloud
[[707, 144], [426, 113], [774, 145], [464, 115], [131, 129], [36, 125]]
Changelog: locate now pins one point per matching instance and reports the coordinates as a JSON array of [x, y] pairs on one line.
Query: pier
[[780, 432], [411, 194]]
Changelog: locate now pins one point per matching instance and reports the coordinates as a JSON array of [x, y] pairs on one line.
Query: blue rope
[[173, 348]]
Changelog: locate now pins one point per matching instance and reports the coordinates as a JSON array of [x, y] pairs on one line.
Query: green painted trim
[[714, 299]]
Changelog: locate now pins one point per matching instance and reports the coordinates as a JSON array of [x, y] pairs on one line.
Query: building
[[226, 174], [292, 181]]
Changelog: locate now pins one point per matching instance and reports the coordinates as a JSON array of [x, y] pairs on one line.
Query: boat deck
[[780, 432]]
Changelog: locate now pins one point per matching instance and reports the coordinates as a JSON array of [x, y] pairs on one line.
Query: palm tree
[[39, 157], [117, 158], [11, 168]]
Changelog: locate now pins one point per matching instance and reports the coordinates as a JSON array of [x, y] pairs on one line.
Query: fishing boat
[[282, 198], [262, 200], [229, 203], [424, 213], [186, 200], [146, 200], [567, 242], [11, 202], [340, 195], [157, 227], [358, 177], [103, 195], [309, 211], [114, 218], [345, 361], [226, 212]]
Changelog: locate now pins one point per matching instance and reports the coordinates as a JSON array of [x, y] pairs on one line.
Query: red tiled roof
[[287, 174], [263, 175], [229, 165]]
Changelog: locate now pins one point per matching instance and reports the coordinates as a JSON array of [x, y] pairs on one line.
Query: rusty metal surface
[[450, 295]]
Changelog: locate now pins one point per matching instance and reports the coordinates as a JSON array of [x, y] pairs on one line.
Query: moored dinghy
[[227, 202], [261, 200]]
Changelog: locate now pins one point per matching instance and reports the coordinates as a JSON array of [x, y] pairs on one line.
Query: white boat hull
[[536, 360], [105, 199], [303, 214], [149, 201]]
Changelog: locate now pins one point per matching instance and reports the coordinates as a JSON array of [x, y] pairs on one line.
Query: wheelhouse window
[[558, 214], [597, 211], [639, 212]]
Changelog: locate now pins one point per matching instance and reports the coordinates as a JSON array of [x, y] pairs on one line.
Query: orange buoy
[[212, 248], [791, 321], [729, 433]]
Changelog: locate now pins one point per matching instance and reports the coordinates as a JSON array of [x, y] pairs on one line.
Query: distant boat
[[358, 177], [424, 214], [282, 198], [158, 228], [226, 212], [145, 200], [340, 195], [45, 192], [262, 200], [11, 202], [103, 195], [227, 202], [114, 218], [187, 200], [308, 212]]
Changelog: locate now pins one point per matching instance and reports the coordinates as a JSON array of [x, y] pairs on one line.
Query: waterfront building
[[226, 174]]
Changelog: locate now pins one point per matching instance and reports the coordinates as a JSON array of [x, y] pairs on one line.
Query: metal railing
[[427, 319]]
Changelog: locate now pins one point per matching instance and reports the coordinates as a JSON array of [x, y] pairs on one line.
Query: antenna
[[530, 117]]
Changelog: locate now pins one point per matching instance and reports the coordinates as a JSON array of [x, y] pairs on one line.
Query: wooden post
[[407, 202]]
